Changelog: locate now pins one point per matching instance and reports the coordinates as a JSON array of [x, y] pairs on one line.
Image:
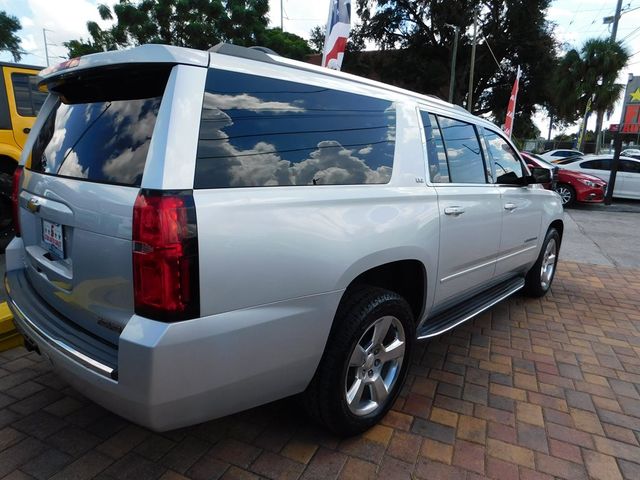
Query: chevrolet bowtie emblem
[[33, 205]]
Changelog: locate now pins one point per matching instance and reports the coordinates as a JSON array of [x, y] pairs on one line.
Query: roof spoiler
[[260, 54]]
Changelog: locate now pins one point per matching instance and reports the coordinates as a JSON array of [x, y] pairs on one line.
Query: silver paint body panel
[[274, 262]]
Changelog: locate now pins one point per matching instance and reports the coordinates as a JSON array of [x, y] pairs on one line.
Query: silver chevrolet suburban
[[204, 232]]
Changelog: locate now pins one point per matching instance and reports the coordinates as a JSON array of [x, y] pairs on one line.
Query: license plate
[[53, 238]]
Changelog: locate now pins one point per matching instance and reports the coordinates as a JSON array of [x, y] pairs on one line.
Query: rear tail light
[[15, 199], [165, 256]]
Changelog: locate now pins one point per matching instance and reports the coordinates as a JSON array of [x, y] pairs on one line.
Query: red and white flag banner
[[335, 40], [511, 109]]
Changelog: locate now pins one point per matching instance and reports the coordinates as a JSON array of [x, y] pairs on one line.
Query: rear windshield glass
[[103, 142]]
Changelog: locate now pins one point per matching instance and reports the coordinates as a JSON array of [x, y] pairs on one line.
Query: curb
[[9, 336]]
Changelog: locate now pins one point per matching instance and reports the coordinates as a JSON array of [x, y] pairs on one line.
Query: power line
[[490, 50], [630, 34]]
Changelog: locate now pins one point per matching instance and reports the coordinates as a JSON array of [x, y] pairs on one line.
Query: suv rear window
[[103, 142], [100, 129], [259, 131]]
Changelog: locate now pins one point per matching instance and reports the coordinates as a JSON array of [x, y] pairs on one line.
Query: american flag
[[511, 108], [338, 27]]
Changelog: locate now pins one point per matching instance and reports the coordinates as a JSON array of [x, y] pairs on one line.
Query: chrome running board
[[468, 309]]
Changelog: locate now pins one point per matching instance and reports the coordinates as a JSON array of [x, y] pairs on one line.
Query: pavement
[[531, 389], [603, 235]]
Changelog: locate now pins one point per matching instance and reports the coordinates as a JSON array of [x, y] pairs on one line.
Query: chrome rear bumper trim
[[56, 343]]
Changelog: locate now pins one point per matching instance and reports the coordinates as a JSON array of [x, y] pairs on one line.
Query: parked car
[[631, 152], [204, 232], [627, 179], [20, 102], [568, 160], [572, 186], [535, 161], [564, 161], [559, 154]]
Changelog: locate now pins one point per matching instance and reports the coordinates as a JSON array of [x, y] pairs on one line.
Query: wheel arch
[[8, 160], [558, 224], [406, 277]]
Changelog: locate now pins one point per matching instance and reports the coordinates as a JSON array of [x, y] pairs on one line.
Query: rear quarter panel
[[268, 244]]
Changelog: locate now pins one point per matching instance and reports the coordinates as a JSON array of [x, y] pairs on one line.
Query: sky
[[575, 21]]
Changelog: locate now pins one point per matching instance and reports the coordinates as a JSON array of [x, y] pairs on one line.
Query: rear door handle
[[455, 211], [510, 206]]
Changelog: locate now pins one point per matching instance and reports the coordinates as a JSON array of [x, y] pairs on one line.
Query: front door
[[469, 205], [521, 208]]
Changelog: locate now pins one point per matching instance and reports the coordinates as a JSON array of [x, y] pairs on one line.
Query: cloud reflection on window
[[100, 141], [258, 131]]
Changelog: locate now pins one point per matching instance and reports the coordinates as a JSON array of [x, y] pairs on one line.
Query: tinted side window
[[463, 151], [259, 131], [597, 164], [629, 166], [507, 165], [437, 158], [28, 98]]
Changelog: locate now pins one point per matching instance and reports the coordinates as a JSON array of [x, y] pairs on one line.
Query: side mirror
[[539, 175]]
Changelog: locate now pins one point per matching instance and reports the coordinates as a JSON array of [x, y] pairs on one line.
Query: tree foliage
[[187, 23], [286, 44], [9, 41], [355, 42], [591, 72], [516, 32]]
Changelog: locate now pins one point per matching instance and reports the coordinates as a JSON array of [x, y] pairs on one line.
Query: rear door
[[629, 172], [79, 187], [469, 205], [25, 100], [598, 167]]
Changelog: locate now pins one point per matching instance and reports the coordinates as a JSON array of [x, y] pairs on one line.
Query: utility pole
[[454, 55], [282, 17], [616, 18], [473, 59], [46, 51], [617, 148], [614, 33]]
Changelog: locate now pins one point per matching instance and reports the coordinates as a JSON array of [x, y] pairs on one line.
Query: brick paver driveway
[[535, 389]]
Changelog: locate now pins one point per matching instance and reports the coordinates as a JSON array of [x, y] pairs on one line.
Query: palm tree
[[565, 105], [602, 61]]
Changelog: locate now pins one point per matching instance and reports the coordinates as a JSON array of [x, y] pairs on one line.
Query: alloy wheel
[[565, 194], [374, 366], [548, 265]]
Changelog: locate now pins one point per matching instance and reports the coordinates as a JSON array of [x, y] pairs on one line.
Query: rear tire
[[567, 194], [539, 278], [365, 361]]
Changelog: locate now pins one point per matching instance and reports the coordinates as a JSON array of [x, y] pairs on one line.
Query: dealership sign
[[631, 107]]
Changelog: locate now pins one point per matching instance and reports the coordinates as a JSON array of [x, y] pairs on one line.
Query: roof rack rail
[[261, 54]]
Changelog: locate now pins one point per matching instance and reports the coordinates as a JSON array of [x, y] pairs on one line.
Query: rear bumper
[[172, 375], [36, 321]]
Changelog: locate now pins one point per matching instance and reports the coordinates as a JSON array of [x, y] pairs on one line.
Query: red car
[[572, 186]]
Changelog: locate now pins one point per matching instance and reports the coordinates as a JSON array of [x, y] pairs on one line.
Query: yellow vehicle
[[20, 102]]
